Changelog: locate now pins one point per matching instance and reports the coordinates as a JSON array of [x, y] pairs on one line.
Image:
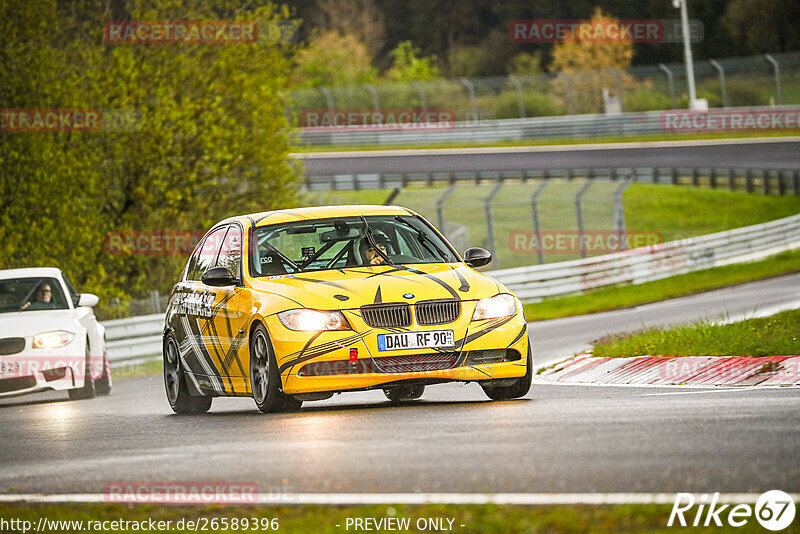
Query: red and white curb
[[673, 370]]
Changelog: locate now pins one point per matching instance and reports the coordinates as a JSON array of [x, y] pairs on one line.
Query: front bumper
[[330, 353], [35, 370]]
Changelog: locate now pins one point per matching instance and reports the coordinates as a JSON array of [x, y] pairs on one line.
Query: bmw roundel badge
[[408, 296]]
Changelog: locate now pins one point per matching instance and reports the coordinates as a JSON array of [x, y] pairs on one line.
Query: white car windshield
[[31, 294]]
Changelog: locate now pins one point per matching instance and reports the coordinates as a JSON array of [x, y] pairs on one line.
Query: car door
[[196, 311], [225, 328]]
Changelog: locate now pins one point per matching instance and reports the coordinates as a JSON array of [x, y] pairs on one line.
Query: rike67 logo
[[774, 510]]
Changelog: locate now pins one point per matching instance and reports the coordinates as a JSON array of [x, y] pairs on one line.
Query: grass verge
[[149, 368], [550, 142], [777, 335], [483, 519], [615, 297]]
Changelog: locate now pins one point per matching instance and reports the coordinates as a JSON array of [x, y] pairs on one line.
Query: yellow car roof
[[317, 212]]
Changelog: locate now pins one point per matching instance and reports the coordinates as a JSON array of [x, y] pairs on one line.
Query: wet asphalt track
[[557, 439]]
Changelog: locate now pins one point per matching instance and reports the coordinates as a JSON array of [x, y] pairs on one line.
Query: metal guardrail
[[483, 131], [767, 181], [637, 266], [134, 338], [139, 338]]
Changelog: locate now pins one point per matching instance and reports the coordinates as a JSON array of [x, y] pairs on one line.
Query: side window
[[191, 267], [231, 252], [208, 251], [73, 294]]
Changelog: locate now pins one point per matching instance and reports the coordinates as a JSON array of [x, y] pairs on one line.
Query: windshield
[[30, 294], [345, 242]]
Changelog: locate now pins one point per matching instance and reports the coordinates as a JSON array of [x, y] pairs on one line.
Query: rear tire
[[180, 400], [404, 393], [265, 379], [103, 386], [88, 390], [516, 390]]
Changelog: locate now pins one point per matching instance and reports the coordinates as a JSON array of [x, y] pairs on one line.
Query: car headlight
[[497, 306], [52, 340], [313, 320]]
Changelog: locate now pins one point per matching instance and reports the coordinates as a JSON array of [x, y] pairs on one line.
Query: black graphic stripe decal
[[521, 333], [308, 353]]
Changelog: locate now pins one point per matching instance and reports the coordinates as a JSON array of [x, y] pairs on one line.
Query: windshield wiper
[[373, 244], [425, 240]]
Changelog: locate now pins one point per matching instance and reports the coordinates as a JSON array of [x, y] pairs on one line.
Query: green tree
[[333, 59], [212, 139], [408, 66]]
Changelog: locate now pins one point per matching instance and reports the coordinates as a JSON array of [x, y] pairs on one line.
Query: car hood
[[31, 323], [355, 287]]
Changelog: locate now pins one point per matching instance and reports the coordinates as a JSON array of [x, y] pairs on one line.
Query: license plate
[[432, 339], [10, 368]]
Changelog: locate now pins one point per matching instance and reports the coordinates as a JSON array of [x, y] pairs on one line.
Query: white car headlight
[[313, 320], [497, 306], [52, 340]]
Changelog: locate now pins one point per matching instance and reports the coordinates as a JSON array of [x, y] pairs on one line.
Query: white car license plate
[[432, 339], [10, 368]]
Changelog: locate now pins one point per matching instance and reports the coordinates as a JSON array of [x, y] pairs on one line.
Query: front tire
[[519, 389], [103, 386], [404, 393], [265, 379], [180, 400], [88, 390]]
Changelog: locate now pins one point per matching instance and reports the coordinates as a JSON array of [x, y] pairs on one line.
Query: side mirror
[[477, 257], [219, 276], [87, 299]]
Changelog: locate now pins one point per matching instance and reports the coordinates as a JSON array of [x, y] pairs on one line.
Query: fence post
[[670, 85], [579, 213], [328, 97], [471, 94], [537, 229], [440, 206], [619, 214], [781, 183], [748, 179], [155, 304], [796, 183], [489, 226], [723, 89], [422, 99], [376, 103], [777, 68], [568, 94], [731, 179], [520, 99], [765, 181]]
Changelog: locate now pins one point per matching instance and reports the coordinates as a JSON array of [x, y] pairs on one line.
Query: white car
[[49, 336]]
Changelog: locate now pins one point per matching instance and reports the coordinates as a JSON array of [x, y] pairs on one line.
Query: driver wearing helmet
[[369, 254]]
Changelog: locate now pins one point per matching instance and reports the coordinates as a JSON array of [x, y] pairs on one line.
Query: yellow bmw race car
[[296, 305]]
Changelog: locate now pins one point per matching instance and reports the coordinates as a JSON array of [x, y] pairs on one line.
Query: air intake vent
[[386, 315], [11, 345], [437, 311]]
